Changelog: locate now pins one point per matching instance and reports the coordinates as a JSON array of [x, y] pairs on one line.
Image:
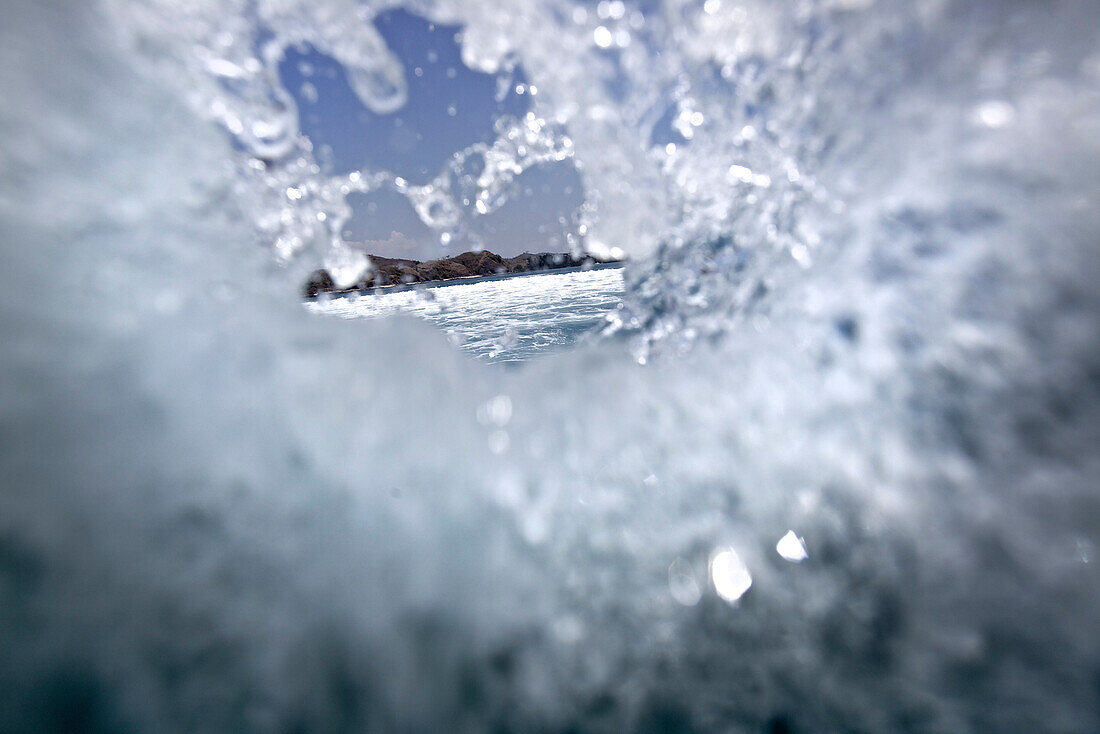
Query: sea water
[[505, 319], [861, 310]]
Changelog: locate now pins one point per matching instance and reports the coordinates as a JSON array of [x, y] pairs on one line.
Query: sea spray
[[863, 308]]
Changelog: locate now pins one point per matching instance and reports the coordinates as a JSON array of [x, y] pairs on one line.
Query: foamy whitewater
[[502, 320], [832, 466]]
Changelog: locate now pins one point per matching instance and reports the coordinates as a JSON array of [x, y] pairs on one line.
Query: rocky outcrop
[[387, 271], [441, 270], [529, 261], [481, 263], [319, 282]]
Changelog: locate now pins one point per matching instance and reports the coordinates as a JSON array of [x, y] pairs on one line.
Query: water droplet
[[741, 173], [346, 266], [496, 411], [729, 575], [994, 113], [682, 584], [792, 548], [801, 255], [226, 69]]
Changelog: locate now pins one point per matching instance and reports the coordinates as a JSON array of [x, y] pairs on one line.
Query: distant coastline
[[398, 274]]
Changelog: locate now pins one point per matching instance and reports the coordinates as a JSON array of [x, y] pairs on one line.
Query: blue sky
[[449, 108]]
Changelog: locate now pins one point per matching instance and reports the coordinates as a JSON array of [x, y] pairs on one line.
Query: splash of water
[[863, 294]]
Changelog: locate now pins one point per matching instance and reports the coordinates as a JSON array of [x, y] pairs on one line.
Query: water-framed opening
[[506, 238]]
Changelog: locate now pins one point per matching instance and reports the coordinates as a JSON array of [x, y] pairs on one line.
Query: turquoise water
[[500, 320]]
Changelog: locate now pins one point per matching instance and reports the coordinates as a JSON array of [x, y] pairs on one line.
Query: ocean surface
[[507, 319]]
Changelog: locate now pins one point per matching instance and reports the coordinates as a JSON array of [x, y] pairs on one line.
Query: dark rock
[[441, 270], [518, 264], [392, 271], [319, 282], [481, 263]]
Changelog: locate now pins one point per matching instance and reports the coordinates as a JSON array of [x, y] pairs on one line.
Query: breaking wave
[[861, 307]]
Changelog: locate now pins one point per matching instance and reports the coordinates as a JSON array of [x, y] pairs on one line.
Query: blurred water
[[510, 319], [861, 311]]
